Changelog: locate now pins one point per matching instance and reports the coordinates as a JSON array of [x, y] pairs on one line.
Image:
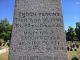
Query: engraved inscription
[[38, 32]]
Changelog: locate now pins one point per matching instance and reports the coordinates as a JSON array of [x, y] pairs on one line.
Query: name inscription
[[24, 14]]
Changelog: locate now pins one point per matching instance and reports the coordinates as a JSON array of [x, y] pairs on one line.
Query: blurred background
[[71, 13]]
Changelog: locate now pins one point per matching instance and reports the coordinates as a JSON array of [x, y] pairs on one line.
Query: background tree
[[77, 30], [5, 30], [70, 34]]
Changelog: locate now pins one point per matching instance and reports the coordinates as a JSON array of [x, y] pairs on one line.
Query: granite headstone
[[38, 31]]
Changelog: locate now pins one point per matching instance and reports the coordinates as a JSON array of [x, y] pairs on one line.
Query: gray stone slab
[[38, 31]]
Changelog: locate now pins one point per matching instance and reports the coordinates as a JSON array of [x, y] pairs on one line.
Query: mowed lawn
[[72, 54], [4, 56]]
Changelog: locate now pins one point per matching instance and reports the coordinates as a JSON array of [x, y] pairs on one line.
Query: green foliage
[[5, 29], [70, 34], [77, 30], [73, 34]]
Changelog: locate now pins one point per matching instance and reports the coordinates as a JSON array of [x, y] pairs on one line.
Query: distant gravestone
[[68, 48], [77, 45], [0, 43], [71, 49], [75, 49], [38, 31]]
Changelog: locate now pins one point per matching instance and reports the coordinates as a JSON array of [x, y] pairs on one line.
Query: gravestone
[[38, 31]]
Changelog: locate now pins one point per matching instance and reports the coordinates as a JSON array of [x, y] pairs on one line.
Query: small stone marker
[[38, 31]]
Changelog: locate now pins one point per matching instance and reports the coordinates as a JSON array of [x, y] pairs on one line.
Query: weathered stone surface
[[38, 31]]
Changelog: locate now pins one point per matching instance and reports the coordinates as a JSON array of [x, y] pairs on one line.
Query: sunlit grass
[[72, 54], [4, 56]]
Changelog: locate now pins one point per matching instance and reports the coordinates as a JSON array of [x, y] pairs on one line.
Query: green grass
[[4, 56], [72, 54]]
